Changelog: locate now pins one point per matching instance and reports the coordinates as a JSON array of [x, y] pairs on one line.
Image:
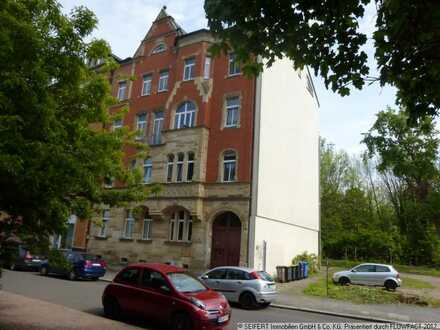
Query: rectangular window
[[229, 167], [207, 68], [172, 228], [105, 220], [129, 225], [148, 170], [146, 231], [232, 111], [188, 70], [157, 128], [181, 226], [163, 81], [170, 165], [234, 65], [117, 124], [189, 226], [190, 167], [179, 165], [122, 90], [146, 85], [141, 125]]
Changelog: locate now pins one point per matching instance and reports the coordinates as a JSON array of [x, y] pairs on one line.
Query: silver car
[[370, 274], [246, 286]]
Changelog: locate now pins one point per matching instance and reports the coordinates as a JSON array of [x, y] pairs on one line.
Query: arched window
[[170, 165], [229, 166], [181, 226], [185, 115], [190, 166], [159, 48]]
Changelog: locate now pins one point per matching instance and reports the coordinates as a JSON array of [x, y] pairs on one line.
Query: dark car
[[165, 294], [74, 265], [19, 257]]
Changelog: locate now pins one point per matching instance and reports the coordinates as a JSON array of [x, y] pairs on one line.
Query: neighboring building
[[75, 236], [237, 158]]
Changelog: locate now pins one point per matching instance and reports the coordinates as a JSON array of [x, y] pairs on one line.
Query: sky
[[342, 119]]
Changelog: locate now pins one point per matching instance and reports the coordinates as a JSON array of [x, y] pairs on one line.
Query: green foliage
[[311, 259], [54, 152], [326, 36], [57, 260]]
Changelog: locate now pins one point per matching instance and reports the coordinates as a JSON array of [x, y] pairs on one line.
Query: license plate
[[36, 260], [223, 319], [96, 265]]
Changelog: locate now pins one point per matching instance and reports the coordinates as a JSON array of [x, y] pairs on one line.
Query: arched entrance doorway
[[226, 239]]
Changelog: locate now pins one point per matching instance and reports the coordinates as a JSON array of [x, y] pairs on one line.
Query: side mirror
[[204, 277], [353, 270]]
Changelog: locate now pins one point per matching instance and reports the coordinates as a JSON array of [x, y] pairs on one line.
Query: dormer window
[[159, 49]]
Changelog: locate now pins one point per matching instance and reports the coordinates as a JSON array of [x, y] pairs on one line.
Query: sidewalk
[[389, 312], [22, 313]]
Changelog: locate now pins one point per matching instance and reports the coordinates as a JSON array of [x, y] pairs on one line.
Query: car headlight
[[198, 303]]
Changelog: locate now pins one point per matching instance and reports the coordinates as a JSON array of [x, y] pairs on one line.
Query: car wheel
[[43, 271], [181, 321], [112, 309], [344, 281], [390, 285], [247, 300], [265, 304], [72, 275]]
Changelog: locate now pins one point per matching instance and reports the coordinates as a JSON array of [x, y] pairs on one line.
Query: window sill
[[101, 238], [186, 80], [233, 75], [162, 91], [144, 241], [126, 239], [178, 243], [155, 145], [229, 127]]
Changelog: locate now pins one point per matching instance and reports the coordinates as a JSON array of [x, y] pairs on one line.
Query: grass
[[413, 283], [371, 295], [419, 270]]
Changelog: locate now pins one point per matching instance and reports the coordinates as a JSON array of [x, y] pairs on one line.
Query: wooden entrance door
[[226, 239]]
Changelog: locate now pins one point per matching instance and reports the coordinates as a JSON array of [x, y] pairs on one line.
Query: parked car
[[74, 265], [165, 294], [370, 274], [19, 257], [246, 286]]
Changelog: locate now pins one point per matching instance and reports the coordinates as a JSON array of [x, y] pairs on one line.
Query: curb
[[351, 316]]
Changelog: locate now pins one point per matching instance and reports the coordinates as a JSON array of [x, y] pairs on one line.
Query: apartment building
[[237, 158]]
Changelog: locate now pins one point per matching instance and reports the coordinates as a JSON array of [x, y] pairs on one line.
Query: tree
[[325, 35], [408, 162], [54, 152]]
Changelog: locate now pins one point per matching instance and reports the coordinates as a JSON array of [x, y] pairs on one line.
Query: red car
[[166, 294]]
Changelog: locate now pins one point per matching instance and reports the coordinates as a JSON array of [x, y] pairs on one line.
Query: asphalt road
[[86, 296]]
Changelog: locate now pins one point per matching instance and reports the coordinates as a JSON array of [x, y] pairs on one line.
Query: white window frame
[[160, 48], [157, 125], [187, 117], [163, 81], [129, 223], [234, 65], [122, 90], [148, 166], [147, 221], [207, 67], [147, 80], [117, 124], [170, 168], [190, 163], [235, 110], [189, 68], [179, 167], [227, 162], [105, 220], [175, 226], [141, 125]]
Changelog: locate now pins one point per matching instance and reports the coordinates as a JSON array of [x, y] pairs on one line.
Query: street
[[86, 296]]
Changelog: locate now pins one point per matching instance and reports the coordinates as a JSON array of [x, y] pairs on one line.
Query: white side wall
[[285, 210]]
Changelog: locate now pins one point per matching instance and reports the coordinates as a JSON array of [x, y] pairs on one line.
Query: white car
[[246, 286], [370, 274]]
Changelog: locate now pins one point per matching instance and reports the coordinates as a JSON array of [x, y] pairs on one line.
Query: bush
[[57, 260], [311, 259]]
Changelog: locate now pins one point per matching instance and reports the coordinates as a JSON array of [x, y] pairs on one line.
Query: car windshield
[[265, 276], [185, 283]]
